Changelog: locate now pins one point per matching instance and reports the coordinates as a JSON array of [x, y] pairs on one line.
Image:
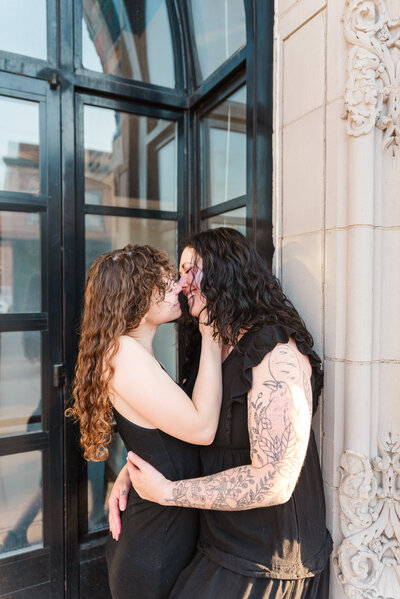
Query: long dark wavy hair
[[119, 288], [240, 290]]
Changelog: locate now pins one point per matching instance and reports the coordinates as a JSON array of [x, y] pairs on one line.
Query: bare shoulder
[[132, 357], [128, 347]]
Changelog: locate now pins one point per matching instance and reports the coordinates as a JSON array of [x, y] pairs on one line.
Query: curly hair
[[240, 290], [119, 289]]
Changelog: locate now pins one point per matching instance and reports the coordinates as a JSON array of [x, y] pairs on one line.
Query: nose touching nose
[[178, 286], [182, 282]]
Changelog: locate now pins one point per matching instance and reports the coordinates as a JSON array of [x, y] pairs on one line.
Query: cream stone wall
[[337, 240]]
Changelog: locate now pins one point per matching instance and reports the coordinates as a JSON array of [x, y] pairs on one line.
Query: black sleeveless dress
[[273, 552], [156, 542]]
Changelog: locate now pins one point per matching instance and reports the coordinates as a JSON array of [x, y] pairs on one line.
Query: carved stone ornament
[[368, 560], [372, 94]]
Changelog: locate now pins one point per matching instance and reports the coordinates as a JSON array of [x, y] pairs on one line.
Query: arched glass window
[[218, 30], [129, 39]]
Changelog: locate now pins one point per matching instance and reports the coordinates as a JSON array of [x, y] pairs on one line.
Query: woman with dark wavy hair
[[129, 293], [261, 502]]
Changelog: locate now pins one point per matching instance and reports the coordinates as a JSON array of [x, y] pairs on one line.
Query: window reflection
[[19, 145], [116, 232], [105, 233], [23, 27], [130, 160], [20, 502], [219, 30], [101, 477], [19, 262], [20, 382], [224, 150], [129, 39], [236, 219]]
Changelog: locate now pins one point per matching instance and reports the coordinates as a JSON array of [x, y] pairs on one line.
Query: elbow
[[284, 494], [205, 436], [280, 490], [208, 438]]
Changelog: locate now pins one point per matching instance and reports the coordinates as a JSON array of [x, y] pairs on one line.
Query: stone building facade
[[337, 239]]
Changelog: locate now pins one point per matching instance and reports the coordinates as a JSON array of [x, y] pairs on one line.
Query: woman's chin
[[177, 312]]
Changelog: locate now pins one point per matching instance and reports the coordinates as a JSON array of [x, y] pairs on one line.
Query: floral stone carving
[[368, 560], [372, 94]]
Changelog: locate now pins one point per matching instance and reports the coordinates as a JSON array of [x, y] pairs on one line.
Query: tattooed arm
[[279, 421]]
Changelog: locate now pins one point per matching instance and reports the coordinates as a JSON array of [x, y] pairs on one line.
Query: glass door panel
[[224, 150], [20, 382], [31, 505], [236, 219], [21, 514], [106, 233], [19, 145], [20, 262], [23, 27], [130, 195], [130, 160], [101, 477], [103, 234]]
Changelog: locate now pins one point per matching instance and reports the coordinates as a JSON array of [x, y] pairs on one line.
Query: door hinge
[[54, 80], [58, 375]]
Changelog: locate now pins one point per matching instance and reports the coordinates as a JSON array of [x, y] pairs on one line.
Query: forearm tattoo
[[279, 425]]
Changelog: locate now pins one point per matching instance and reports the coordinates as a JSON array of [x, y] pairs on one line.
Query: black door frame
[[42, 567]]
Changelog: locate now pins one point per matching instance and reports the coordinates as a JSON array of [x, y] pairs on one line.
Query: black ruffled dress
[[275, 552]]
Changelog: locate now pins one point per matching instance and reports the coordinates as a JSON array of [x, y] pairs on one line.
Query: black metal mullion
[[193, 64], [222, 92], [130, 212], [113, 85], [198, 171], [204, 182], [24, 88], [223, 207], [220, 78], [177, 45], [191, 153], [52, 33], [79, 466], [130, 105], [182, 181], [53, 479], [77, 18], [18, 64], [22, 206], [188, 45], [23, 443], [184, 191], [32, 321], [22, 203], [260, 18], [71, 303], [47, 501]]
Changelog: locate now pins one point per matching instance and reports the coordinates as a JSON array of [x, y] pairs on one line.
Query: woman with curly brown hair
[[262, 511], [129, 293]]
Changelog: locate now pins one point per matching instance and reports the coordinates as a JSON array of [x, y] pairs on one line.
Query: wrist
[[167, 493], [209, 341]]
